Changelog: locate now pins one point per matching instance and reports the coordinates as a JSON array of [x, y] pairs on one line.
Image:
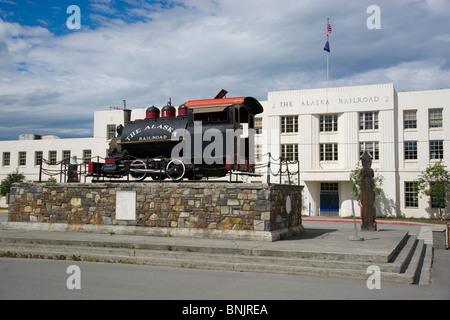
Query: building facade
[[325, 130]]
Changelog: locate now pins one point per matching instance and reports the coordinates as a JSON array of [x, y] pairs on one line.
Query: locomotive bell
[[152, 113], [168, 111]]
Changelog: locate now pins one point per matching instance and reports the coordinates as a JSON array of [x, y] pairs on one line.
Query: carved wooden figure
[[368, 212]]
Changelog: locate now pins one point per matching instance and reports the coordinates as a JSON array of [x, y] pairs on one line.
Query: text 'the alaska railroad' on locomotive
[[205, 138]]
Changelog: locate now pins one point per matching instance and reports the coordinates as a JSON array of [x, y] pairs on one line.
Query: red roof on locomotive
[[214, 102], [253, 105]]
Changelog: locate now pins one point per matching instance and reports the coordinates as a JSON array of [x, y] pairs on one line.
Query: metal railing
[[284, 170], [52, 168]]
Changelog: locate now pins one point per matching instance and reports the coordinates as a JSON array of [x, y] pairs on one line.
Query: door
[[329, 204], [329, 199]]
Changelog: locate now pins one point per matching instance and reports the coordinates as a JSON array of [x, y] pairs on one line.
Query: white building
[[328, 129], [325, 129]]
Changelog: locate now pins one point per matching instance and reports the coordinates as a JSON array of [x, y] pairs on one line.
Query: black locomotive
[[207, 138]]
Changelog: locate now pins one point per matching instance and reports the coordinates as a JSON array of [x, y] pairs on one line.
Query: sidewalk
[[326, 239], [379, 221], [325, 249]]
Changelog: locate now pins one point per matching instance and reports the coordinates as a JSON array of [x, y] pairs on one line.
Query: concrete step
[[404, 267], [148, 256], [426, 234]]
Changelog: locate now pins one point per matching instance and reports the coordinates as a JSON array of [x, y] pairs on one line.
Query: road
[[47, 279]]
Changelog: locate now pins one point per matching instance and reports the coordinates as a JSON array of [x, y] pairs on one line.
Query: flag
[[328, 29], [327, 47]]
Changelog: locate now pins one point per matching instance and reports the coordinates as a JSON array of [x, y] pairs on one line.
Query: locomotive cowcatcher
[[207, 138]]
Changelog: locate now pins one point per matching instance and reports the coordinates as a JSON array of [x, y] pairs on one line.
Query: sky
[[54, 74]]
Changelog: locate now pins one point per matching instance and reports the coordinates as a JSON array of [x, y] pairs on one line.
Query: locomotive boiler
[[201, 138]]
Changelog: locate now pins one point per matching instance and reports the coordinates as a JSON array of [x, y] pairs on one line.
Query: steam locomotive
[[207, 138]]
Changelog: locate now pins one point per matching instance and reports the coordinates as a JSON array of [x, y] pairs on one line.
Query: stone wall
[[213, 207]]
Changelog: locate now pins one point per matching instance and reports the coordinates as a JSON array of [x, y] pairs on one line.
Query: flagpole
[[328, 64], [328, 53], [328, 61]]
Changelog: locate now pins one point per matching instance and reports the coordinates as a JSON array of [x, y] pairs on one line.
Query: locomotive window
[[220, 116], [203, 117], [211, 116]]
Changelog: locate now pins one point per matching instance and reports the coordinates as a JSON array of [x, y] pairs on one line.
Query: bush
[[11, 178], [434, 182], [355, 178]]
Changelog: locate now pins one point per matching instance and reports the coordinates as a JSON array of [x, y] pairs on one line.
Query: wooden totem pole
[[368, 211]]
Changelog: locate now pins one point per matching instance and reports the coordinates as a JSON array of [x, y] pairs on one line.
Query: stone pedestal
[[241, 211]]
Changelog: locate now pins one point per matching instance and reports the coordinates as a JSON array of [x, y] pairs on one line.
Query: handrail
[[284, 172]]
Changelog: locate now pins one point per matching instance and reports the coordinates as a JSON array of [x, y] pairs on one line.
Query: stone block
[[439, 239], [75, 202], [265, 216]]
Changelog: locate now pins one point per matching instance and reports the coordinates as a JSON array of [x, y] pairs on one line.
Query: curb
[[378, 222]]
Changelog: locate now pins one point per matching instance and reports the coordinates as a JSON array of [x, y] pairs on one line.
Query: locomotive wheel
[[138, 165], [175, 170]]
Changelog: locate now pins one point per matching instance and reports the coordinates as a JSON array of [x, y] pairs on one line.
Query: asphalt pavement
[[317, 228]]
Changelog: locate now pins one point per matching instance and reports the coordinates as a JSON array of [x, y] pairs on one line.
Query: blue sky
[[53, 78], [52, 14]]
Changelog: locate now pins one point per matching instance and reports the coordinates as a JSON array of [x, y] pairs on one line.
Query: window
[[258, 153], [329, 187], [289, 152], [87, 154], [258, 125], [222, 116], [22, 158], [66, 155], [110, 131], [411, 195], [52, 156], [329, 152], [368, 121], [435, 204], [410, 119], [329, 123], [38, 155], [6, 159], [372, 148], [435, 118], [410, 150], [289, 124], [436, 150]]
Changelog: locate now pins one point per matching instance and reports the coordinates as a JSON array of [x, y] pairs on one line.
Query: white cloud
[[195, 48]]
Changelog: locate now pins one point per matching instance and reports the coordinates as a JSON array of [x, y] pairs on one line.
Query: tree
[[434, 182], [9, 180], [355, 178]]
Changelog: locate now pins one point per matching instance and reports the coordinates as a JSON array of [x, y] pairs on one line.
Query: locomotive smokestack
[[126, 113], [126, 116]]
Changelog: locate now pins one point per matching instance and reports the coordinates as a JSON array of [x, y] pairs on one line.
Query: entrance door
[[329, 204], [329, 199]]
